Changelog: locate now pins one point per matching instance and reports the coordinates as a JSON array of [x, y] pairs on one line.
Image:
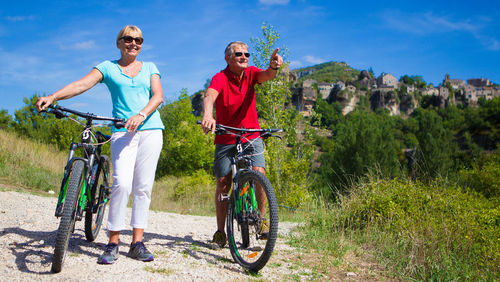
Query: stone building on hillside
[[444, 92], [304, 99], [308, 82], [455, 83], [478, 82], [431, 91], [473, 94], [325, 89], [387, 80]]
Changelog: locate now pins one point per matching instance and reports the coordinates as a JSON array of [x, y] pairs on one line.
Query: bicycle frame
[[91, 157], [92, 152], [242, 193]]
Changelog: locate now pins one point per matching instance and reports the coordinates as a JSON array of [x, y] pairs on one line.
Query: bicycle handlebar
[[59, 112], [224, 129]]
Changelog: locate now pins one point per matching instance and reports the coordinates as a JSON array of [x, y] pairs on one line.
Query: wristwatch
[[143, 115]]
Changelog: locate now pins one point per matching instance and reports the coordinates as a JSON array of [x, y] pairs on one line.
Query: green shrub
[[424, 232], [484, 179], [185, 148], [199, 185]]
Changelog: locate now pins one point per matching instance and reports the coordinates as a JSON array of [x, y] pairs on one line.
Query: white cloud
[[19, 18], [84, 45], [274, 2], [425, 23], [489, 43], [430, 23], [295, 64], [313, 59], [494, 45], [79, 106]]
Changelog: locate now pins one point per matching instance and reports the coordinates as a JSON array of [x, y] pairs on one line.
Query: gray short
[[224, 152]]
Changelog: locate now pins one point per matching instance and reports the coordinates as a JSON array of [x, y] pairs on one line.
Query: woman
[[136, 92]]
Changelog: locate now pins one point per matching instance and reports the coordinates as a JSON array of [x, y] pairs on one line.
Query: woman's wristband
[[143, 115]]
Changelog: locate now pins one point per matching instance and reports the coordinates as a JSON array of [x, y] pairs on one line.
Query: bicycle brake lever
[[59, 114], [119, 124]]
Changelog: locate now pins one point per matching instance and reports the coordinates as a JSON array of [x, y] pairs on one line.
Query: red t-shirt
[[235, 104]]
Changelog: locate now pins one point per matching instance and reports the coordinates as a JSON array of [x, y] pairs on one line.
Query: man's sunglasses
[[129, 39], [239, 54]]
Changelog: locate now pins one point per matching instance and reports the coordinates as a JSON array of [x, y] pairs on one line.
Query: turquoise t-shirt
[[130, 94]]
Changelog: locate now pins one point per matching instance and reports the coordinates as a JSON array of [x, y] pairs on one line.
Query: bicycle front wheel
[[95, 214], [67, 224], [252, 229]]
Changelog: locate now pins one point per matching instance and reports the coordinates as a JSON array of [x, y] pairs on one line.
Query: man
[[232, 91]]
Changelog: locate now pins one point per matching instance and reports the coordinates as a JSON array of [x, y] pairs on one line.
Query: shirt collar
[[233, 77]]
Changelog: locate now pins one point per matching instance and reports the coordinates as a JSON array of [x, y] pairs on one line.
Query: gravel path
[[180, 244]]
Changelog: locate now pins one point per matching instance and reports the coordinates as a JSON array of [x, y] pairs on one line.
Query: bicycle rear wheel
[[67, 224], [247, 245], [93, 216]]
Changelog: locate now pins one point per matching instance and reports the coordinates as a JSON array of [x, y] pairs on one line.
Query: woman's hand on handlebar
[[44, 102], [134, 122], [208, 124]]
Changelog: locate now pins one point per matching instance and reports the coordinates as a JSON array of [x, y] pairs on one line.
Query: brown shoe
[[219, 238]]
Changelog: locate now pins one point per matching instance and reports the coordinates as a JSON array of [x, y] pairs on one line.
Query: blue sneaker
[[139, 252], [110, 255]]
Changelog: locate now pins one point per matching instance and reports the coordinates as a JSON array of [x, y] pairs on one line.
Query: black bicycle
[[252, 221], [85, 185]]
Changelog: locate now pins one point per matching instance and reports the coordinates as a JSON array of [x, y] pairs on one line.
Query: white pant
[[134, 156]]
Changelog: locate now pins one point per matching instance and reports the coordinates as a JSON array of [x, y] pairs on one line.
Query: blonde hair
[[127, 30], [229, 49]]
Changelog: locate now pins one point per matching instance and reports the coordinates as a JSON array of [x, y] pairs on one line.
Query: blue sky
[[45, 45]]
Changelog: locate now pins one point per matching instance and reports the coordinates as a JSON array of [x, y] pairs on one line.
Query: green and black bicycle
[[86, 183], [252, 225]]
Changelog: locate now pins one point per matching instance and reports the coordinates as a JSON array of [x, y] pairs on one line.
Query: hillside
[[328, 72]]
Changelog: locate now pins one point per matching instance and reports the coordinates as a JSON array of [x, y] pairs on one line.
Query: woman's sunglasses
[[239, 54], [129, 39]]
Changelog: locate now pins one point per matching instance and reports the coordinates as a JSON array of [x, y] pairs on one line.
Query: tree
[[363, 143], [329, 114], [287, 168], [416, 80], [5, 119], [435, 144], [43, 126], [186, 149]]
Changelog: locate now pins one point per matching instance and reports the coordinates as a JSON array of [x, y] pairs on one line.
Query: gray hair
[[229, 49]]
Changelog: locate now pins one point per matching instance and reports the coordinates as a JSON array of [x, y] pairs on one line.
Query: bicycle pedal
[[223, 197]]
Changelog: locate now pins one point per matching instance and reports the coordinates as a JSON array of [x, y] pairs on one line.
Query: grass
[[416, 231], [29, 164], [436, 231], [160, 270]]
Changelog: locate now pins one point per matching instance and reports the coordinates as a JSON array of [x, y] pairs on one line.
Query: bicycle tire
[[67, 224], [254, 254], [93, 221]]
